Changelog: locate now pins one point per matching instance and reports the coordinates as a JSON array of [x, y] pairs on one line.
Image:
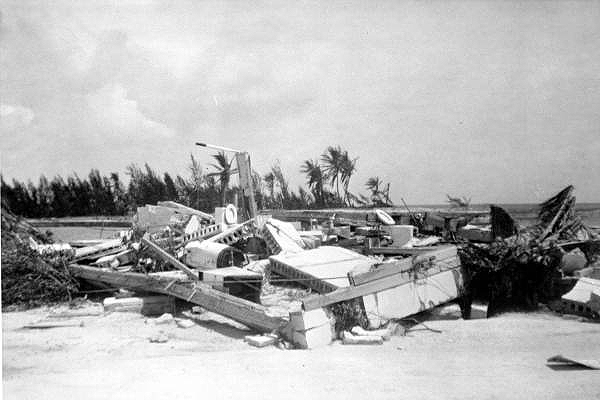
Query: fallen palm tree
[[524, 269]]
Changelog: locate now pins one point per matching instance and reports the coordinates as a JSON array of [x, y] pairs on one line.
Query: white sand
[[112, 358]]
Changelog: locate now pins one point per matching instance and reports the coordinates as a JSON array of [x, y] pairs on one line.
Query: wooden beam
[[358, 217], [317, 301], [170, 259], [99, 249], [53, 324], [382, 271], [106, 223], [248, 313], [181, 209]]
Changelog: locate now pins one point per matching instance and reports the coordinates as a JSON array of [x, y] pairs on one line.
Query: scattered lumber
[[358, 217], [105, 248], [169, 258], [76, 313], [115, 260], [106, 223], [248, 313], [53, 324], [181, 209]]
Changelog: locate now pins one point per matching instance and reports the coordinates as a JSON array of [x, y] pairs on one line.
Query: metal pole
[[251, 199], [215, 147]]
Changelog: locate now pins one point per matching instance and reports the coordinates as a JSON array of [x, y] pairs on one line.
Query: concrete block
[[261, 340], [164, 319], [314, 337], [348, 338], [401, 234], [303, 320], [311, 329], [382, 333], [147, 305], [129, 304], [158, 305], [184, 323]]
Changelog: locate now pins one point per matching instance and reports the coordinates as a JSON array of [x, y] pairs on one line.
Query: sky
[[494, 100]]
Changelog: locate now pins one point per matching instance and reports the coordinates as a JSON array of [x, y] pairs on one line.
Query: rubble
[[352, 282], [528, 267], [583, 299]]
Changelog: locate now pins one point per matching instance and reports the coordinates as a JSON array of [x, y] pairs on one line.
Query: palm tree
[[332, 160], [282, 182], [269, 179], [224, 172], [347, 169], [315, 178], [378, 196], [373, 184]]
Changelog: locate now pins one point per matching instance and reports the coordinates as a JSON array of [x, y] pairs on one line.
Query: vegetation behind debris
[[327, 178]]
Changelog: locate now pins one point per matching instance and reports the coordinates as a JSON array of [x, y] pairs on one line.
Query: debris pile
[[529, 267], [30, 279], [302, 284], [270, 275]]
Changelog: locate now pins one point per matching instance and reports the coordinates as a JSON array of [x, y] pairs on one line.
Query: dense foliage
[[328, 179], [31, 280]]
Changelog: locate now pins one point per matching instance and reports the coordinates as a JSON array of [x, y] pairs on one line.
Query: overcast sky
[[496, 100]]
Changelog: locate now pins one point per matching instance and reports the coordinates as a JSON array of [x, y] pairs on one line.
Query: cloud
[[114, 114], [14, 118], [431, 98]]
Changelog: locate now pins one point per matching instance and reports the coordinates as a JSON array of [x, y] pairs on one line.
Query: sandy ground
[[111, 357]]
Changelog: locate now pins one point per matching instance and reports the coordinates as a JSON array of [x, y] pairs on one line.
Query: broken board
[[250, 314]]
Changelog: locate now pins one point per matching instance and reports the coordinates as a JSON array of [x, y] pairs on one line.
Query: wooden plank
[[181, 209], [351, 292], [440, 257], [53, 324], [359, 217], [170, 259], [87, 242], [445, 250], [382, 270], [106, 223], [248, 313], [101, 248]]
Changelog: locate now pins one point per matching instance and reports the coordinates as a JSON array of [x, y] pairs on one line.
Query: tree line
[[327, 178]]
